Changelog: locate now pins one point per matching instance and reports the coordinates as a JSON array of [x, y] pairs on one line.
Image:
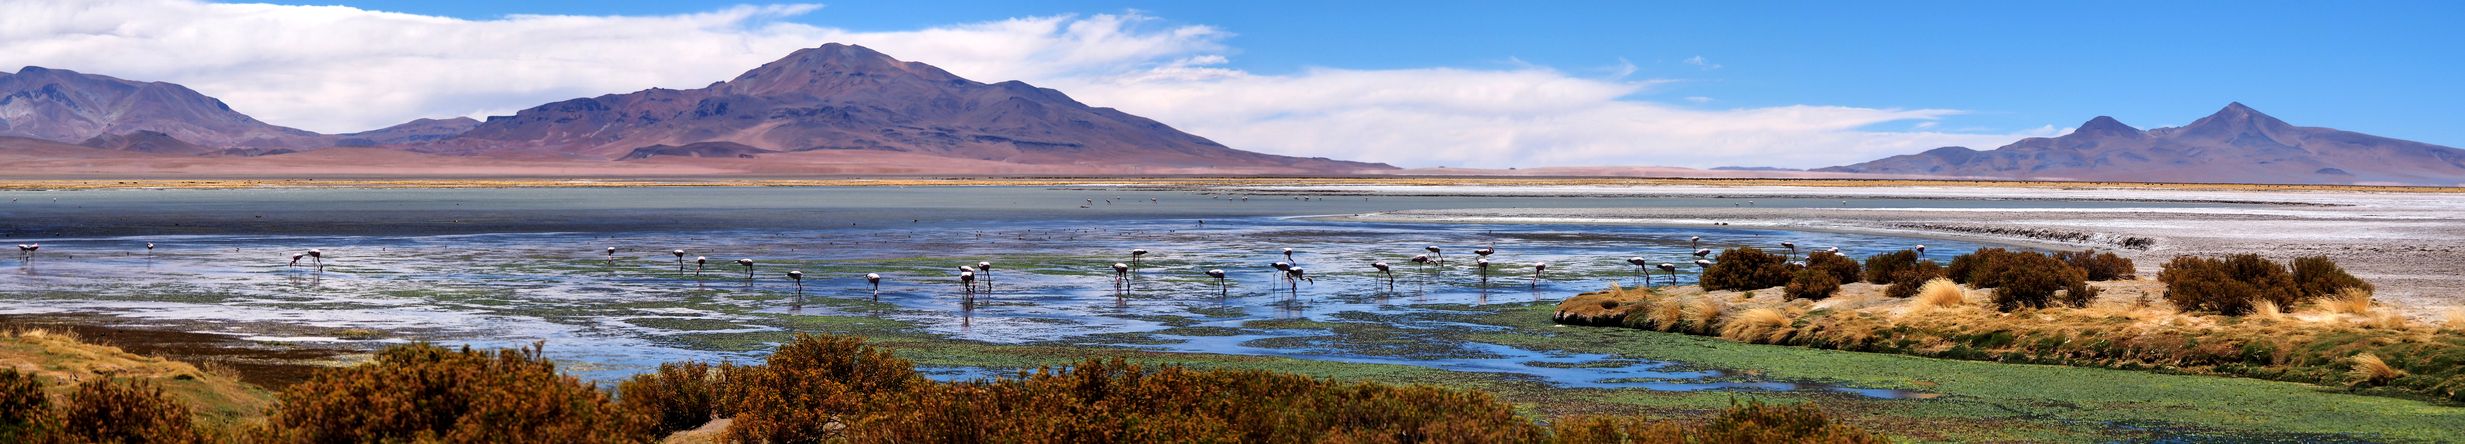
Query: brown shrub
[[1881, 268], [1115, 401], [2226, 286], [24, 411], [2104, 266], [2028, 279], [421, 392], [1975, 267], [107, 410], [2318, 277], [1746, 268], [810, 384], [679, 396], [1842, 268], [1812, 284], [1906, 282]]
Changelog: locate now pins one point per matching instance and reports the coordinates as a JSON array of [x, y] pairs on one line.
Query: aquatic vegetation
[[1746, 268], [1751, 422]]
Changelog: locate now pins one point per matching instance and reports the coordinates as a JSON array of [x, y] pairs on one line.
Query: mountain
[[2237, 144], [844, 100], [421, 130], [67, 106]]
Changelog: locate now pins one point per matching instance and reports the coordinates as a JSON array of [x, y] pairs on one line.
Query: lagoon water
[[505, 267]]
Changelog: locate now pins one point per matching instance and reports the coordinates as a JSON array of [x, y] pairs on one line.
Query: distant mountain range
[[2236, 145], [838, 108]]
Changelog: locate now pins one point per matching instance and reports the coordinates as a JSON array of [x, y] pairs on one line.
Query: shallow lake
[[505, 267]]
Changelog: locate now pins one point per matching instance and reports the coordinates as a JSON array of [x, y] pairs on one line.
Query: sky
[[1418, 84]]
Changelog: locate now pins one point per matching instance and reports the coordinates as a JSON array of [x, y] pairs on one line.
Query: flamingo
[[1220, 286], [1486, 251], [680, 260], [1284, 269], [1639, 264], [26, 251], [1694, 242], [799, 277], [987, 266], [1537, 268], [1134, 254], [1792, 246], [1288, 256], [748, 263], [1701, 264], [1672, 269], [1297, 275], [611, 255], [319, 257], [1921, 250], [149, 248], [1386, 270], [967, 279], [1435, 254], [1483, 263], [1701, 252], [1121, 276], [698, 263], [876, 280], [295, 259]]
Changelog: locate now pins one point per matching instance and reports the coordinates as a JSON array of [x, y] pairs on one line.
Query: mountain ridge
[[2235, 144]]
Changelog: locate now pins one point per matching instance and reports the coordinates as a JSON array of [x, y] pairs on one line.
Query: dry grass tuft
[[1941, 293], [1761, 325], [1667, 313], [1703, 312], [2265, 311], [2353, 301], [2455, 320], [2370, 370]]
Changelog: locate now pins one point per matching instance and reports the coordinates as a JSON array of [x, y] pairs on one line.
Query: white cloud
[[1700, 62], [339, 69]]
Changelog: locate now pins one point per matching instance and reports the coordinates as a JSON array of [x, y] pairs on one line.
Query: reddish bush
[[1811, 284], [2104, 266], [679, 396], [24, 410], [422, 392], [1842, 268], [812, 386], [2317, 277], [106, 410], [1906, 282], [2227, 286], [1746, 268], [1881, 268]]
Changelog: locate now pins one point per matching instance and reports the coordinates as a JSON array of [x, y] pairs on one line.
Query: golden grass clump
[[2350, 300], [2369, 369], [2455, 320], [1941, 293], [1761, 325], [1703, 312], [2265, 310], [1668, 313]]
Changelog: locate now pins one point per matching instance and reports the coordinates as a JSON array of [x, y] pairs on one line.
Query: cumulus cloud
[[341, 69]]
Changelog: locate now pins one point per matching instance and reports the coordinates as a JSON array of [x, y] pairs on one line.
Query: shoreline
[[245, 182]]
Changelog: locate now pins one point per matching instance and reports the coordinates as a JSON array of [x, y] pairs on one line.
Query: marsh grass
[[2349, 300], [1942, 322], [1940, 293], [2370, 370]]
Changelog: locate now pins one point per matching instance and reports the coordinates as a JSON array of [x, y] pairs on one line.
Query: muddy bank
[[270, 365]]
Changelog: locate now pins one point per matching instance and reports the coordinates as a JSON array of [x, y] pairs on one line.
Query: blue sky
[[1495, 84], [2386, 67]]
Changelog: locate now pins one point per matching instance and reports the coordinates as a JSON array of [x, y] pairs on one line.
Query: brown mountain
[[847, 101], [67, 106], [421, 130], [2236, 145]]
